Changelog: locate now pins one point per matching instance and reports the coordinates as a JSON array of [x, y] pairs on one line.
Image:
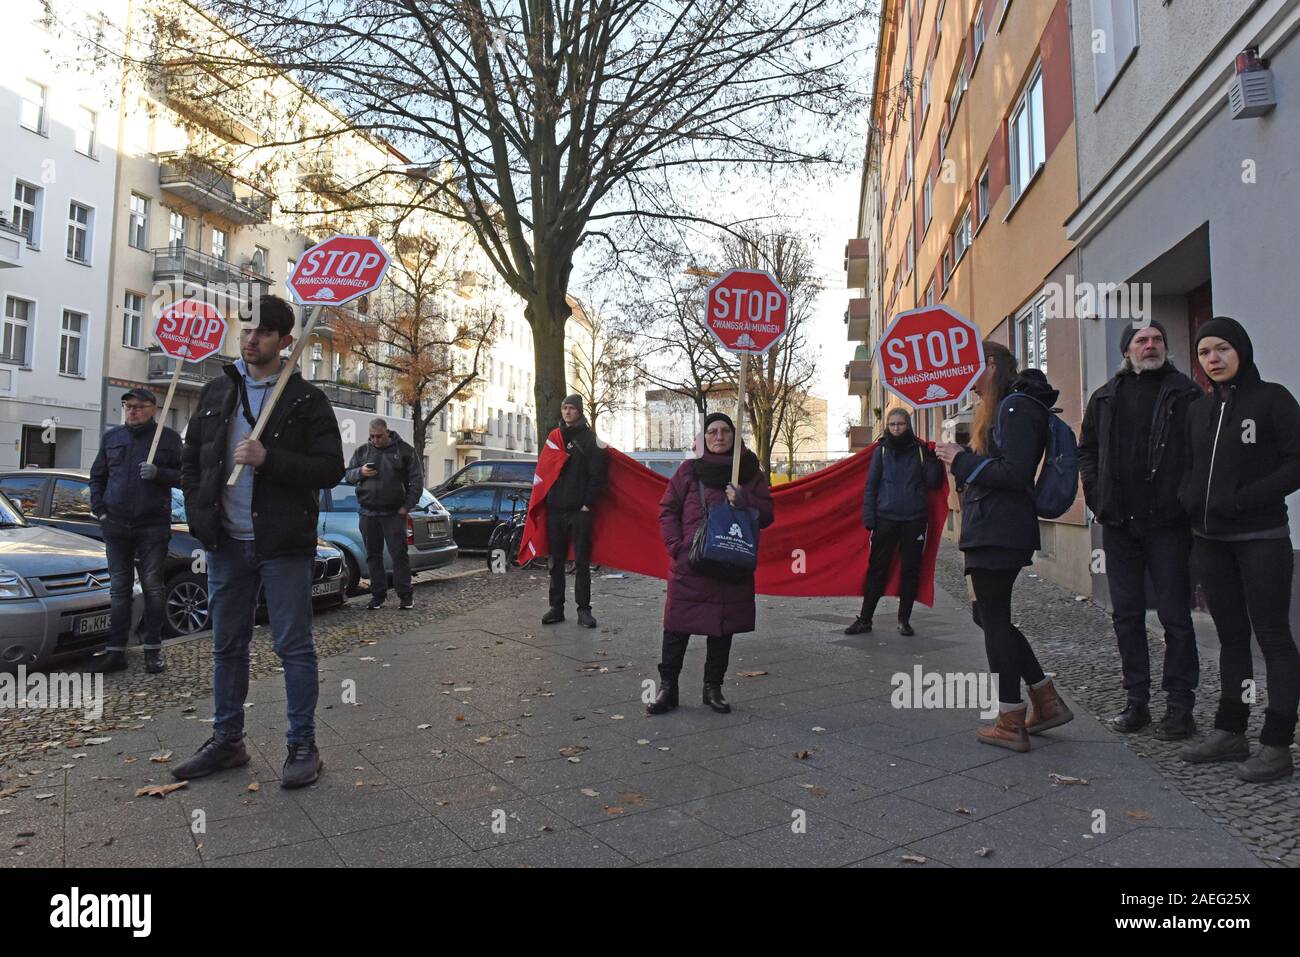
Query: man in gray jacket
[[389, 480]]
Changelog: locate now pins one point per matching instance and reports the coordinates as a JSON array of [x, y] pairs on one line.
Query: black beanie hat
[[718, 417], [1230, 330], [574, 400], [1131, 330]]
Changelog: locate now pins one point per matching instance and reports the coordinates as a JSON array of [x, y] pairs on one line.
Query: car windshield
[[10, 517], [178, 507], [427, 501]]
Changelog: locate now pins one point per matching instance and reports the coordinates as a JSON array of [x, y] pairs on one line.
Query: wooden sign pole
[[740, 418], [280, 383], [167, 404]]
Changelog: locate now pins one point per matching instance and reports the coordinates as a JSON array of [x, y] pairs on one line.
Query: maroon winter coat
[[697, 604]]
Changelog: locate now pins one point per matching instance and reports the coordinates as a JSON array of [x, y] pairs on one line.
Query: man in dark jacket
[[389, 480], [569, 505], [260, 533], [132, 499], [1132, 454]]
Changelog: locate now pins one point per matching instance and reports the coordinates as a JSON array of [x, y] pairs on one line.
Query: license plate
[[92, 624], [325, 588]]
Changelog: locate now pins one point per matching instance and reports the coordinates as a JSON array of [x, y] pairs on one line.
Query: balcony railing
[[12, 241], [348, 396], [208, 187], [859, 437], [193, 374], [858, 318], [178, 263], [471, 437], [196, 89], [856, 254], [858, 373]]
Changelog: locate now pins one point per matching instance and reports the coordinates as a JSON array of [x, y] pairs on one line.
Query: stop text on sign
[[754, 306], [926, 350], [746, 310], [930, 356], [338, 263], [190, 329], [338, 270]]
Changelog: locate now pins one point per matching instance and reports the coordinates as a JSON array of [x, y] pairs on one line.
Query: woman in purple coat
[[697, 604]]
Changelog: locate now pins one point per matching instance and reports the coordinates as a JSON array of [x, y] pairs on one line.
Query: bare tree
[[600, 358], [796, 427], [557, 122], [431, 356]]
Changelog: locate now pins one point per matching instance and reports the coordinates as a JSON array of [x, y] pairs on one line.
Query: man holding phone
[[389, 479]]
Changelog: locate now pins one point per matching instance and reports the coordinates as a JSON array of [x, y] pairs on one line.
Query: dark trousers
[[130, 549], [563, 527], [378, 531], [1009, 654], [674, 653], [1132, 552], [1249, 584], [906, 538]]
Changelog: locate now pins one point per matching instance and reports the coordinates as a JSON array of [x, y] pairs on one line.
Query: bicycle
[[507, 538]]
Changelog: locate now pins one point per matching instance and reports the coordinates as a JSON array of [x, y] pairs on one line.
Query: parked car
[[60, 498], [54, 593], [479, 508], [489, 470], [429, 541]]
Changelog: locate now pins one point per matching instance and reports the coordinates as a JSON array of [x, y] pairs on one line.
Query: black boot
[[108, 662], [1134, 717], [153, 661], [213, 756], [1177, 724], [665, 700], [860, 625], [713, 698], [553, 616], [905, 628], [303, 765], [585, 618]]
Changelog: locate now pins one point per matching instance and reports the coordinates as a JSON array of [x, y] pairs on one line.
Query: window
[[24, 491], [13, 336], [219, 241], [79, 223], [261, 256], [71, 500], [907, 255], [977, 33], [907, 169], [32, 113], [132, 320], [929, 294], [938, 18], [925, 92], [1115, 29], [961, 235], [27, 212], [71, 359], [982, 195], [85, 123], [137, 230], [959, 85], [175, 229], [1025, 132], [1031, 336], [926, 203]]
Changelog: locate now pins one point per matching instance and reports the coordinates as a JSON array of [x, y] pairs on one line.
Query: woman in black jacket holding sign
[[1245, 442], [999, 534]]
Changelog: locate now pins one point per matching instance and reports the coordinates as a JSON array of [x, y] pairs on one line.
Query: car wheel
[[353, 575], [185, 601]]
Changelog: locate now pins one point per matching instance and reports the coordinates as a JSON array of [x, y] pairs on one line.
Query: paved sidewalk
[[488, 740]]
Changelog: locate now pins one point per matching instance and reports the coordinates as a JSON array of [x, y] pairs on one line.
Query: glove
[[148, 471]]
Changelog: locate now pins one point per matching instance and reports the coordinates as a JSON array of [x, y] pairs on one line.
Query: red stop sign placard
[[746, 310], [930, 356], [338, 270], [190, 329]]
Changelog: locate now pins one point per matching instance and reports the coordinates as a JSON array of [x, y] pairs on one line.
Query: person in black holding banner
[[1132, 455], [1245, 444], [570, 502], [132, 500], [895, 509], [389, 480], [698, 604]]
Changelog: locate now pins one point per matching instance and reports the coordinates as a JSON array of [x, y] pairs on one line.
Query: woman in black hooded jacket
[[1245, 444]]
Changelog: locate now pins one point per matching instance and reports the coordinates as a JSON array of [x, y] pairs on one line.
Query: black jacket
[[1166, 454], [304, 453], [399, 483], [898, 482], [582, 480], [1245, 445], [116, 489], [997, 507]]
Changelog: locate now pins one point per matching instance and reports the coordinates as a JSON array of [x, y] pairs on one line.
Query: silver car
[[54, 595]]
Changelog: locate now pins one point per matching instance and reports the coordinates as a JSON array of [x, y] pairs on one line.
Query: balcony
[[194, 375], [857, 252], [858, 318], [176, 264], [858, 374], [473, 438], [348, 396], [12, 241], [194, 89], [859, 437], [207, 187]]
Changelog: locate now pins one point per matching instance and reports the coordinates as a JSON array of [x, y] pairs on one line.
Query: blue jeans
[[129, 549], [234, 574]]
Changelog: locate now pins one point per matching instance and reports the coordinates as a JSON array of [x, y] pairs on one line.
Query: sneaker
[[1176, 725], [1218, 746], [153, 661], [1271, 762], [585, 618], [375, 604], [553, 616], [213, 756], [1134, 717], [859, 626], [407, 604], [303, 765], [108, 662]]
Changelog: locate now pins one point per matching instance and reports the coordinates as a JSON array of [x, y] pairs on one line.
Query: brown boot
[[1049, 710], [1008, 731]]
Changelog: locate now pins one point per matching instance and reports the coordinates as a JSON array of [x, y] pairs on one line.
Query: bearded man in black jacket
[[1132, 454], [569, 512]]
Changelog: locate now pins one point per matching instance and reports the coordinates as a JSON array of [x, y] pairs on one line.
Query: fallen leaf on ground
[[632, 798], [616, 717], [255, 786], [574, 760], [162, 757], [1065, 779], [642, 740], [816, 790], [752, 674], [962, 810], [423, 727], [613, 809], [483, 739], [160, 790], [573, 750], [819, 728], [98, 740], [1138, 815], [803, 755], [591, 792], [10, 792], [913, 859], [43, 797], [131, 759], [460, 717], [984, 851]]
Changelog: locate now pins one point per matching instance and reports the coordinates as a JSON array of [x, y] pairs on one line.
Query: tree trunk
[[548, 316], [418, 429]]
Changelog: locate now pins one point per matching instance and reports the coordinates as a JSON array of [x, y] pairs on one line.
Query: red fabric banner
[[816, 546]]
